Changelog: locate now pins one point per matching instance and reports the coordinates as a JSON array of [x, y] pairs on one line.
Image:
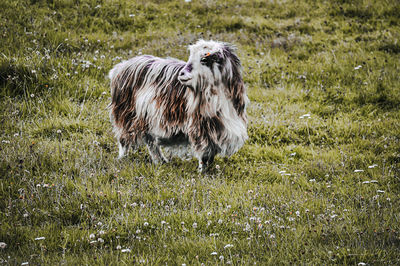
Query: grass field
[[317, 182]]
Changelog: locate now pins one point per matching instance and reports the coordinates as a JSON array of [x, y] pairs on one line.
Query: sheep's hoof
[[204, 169]]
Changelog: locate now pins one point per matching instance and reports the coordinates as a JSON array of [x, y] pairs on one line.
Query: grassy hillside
[[318, 181]]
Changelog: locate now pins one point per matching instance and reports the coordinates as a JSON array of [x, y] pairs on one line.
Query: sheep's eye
[[203, 60]]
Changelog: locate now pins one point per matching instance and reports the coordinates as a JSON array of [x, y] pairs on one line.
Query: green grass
[[291, 195]]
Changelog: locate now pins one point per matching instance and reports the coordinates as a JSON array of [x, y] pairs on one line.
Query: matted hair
[[167, 102]]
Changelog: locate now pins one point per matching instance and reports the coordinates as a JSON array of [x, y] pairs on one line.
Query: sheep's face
[[204, 65]]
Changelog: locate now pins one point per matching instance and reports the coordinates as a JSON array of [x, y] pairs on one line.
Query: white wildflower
[[358, 67], [372, 166], [3, 245], [305, 116], [214, 253], [101, 240], [194, 225], [40, 238], [126, 250], [228, 246], [358, 171]]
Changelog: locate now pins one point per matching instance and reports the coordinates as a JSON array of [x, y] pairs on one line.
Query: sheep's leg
[[204, 163], [122, 150], [206, 158], [122, 137], [123, 147], [154, 150]]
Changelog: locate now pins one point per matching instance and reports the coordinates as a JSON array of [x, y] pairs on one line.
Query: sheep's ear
[[229, 52], [233, 79]]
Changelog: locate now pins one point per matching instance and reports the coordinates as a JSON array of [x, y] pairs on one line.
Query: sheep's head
[[215, 64], [210, 63]]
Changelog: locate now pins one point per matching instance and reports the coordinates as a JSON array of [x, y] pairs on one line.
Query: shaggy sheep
[[167, 102]]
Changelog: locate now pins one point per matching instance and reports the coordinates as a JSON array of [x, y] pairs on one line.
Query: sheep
[[165, 102]]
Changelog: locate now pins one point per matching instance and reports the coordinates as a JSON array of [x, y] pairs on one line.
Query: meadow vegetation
[[316, 183]]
